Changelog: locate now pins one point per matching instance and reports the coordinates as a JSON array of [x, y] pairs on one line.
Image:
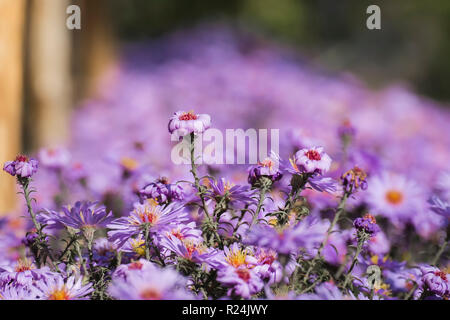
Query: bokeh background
[[47, 72]]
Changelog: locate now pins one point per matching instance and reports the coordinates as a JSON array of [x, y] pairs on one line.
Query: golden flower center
[[236, 258], [150, 294], [59, 294], [129, 163], [394, 197]]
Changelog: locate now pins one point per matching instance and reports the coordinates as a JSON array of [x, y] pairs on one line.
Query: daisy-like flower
[[233, 194], [243, 282], [185, 232], [19, 292], [150, 284], [83, 216], [162, 191], [54, 158], [434, 281], [149, 213], [367, 224], [24, 272], [22, 166], [394, 197], [183, 123], [56, 288], [269, 168], [124, 270], [311, 160], [193, 251], [236, 256], [307, 234]]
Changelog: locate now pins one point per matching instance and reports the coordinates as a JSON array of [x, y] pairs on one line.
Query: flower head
[[268, 168], [311, 160], [435, 281], [57, 288], [162, 191], [367, 224], [22, 166], [54, 158], [354, 179], [183, 123], [243, 281]]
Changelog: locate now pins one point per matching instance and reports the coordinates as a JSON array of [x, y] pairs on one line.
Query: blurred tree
[[12, 15]]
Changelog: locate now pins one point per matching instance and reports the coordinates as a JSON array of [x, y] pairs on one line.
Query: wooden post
[[12, 16], [50, 79]]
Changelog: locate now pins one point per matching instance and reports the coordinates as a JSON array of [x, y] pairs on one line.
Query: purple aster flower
[[243, 282], [19, 292], [150, 284], [141, 265], [354, 179], [22, 166], [24, 272], [307, 234], [311, 160], [435, 281], [162, 191], [367, 224], [54, 158], [185, 231], [148, 213], [322, 184], [440, 207], [269, 168], [183, 123], [82, 215], [233, 194], [346, 130], [193, 251], [57, 288], [104, 251]]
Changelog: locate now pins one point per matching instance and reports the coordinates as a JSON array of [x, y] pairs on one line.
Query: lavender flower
[[24, 272], [269, 168], [162, 191], [311, 160], [150, 284], [243, 282], [57, 288], [435, 281], [22, 167], [54, 158], [234, 195], [440, 207], [367, 224], [183, 123], [354, 179]]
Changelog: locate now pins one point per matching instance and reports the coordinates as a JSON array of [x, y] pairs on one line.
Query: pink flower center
[[441, 274], [244, 274], [150, 294], [313, 155], [22, 158], [135, 265], [186, 116]]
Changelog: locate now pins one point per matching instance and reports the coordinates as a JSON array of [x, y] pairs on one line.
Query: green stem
[[355, 259], [262, 196], [147, 242]]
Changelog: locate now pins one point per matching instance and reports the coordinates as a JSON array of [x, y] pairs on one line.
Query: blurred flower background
[[93, 104]]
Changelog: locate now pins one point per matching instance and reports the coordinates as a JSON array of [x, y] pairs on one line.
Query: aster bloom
[[141, 265], [236, 256], [346, 130], [367, 224], [22, 166], [183, 123], [243, 282], [311, 160], [162, 191], [19, 292], [54, 158], [268, 168], [233, 194], [57, 288], [435, 281], [82, 216], [307, 234], [185, 232], [147, 214], [394, 196], [354, 179], [193, 251], [104, 251], [150, 284], [23, 272]]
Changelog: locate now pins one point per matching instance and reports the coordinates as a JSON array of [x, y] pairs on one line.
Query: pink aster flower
[[24, 272], [18, 292], [22, 166], [149, 213], [243, 282], [311, 160], [395, 197], [435, 281], [183, 123], [54, 158], [56, 288]]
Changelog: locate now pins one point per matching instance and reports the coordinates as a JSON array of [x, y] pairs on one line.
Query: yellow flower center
[[138, 246], [59, 294], [236, 258], [394, 197], [129, 163]]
